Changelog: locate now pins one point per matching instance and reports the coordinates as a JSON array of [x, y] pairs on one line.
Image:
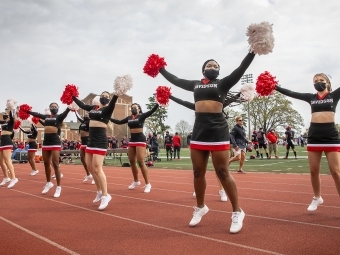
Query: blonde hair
[[328, 82], [237, 118]]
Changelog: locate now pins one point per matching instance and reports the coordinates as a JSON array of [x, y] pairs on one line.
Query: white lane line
[[150, 225], [39, 237]]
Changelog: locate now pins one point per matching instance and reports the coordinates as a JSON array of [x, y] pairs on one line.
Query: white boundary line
[[39, 237]]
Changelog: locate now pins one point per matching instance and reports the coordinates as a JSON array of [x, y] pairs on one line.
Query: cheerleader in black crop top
[[322, 133], [32, 147], [84, 136], [137, 144], [6, 149], [211, 133], [97, 143], [52, 145]]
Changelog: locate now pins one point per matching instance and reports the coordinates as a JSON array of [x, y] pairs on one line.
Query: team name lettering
[[95, 111], [205, 86], [324, 101]]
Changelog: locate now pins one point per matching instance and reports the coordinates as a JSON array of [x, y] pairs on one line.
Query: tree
[[155, 123], [272, 112], [232, 114], [183, 128]]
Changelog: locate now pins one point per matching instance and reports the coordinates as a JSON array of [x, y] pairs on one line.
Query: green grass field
[[280, 165]]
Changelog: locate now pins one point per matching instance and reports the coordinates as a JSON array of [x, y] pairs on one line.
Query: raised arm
[[24, 131], [39, 115], [63, 115], [120, 122], [183, 84], [336, 94], [83, 106], [42, 122], [109, 109], [149, 113], [79, 117], [301, 96], [182, 102], [229, 81]]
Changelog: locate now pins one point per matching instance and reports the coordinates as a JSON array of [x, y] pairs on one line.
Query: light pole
[[247, 78]]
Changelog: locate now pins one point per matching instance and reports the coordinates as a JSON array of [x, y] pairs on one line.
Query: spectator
[[272, 143], [261, 137], [124, 143], [168, 145], [289, 139], [177, 145]]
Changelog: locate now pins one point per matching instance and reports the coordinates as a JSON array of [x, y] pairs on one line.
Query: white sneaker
[[87, 178], [198, 214], [61, 176], [4, 181], [34, 172], [98, 197], [47, 187], [12, 183], [57, 191], [93, 182], [105, 201], [53, 176], [134, 185], [147, 188], [237, 221], [194, 194], [315, 203], [224, 197]]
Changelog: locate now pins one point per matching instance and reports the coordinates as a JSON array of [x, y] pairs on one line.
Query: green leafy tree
[[155, 123], [273, 112]]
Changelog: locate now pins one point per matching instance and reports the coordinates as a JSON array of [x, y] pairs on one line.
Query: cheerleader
[[322, 133], [97, 143], [84, 136], [137, 143], [32, 147], [211, 133], [51, 146], [6, 149]]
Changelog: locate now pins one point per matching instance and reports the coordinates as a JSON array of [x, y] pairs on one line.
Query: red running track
[[277, 220]]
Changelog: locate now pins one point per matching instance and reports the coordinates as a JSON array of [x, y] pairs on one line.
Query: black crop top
[[51, 120], [138, 121], [59, 129], [100, 114], [205, 89], [327, 103], [84, 125], [8, 125], [33, 133]]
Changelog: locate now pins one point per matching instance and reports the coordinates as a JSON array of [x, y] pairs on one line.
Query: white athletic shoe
[[87, 178], [98, 197], [61, 176], [134, 185], [194, 194], [93, 182], [224, 197], [315, 203], [236, 221], [4, 181], [47, 187], [12, 183], [147, 188], [57, 191], [34, 172], [105, 201], [198, 214]]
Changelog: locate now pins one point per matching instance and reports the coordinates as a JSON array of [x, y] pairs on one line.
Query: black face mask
[[104, 100], [5, 117], [134, 111], [54, 110], [86, 118], [320, 86], [211, 74]]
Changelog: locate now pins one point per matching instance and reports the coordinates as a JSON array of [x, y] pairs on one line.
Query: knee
[[221, 173], [55, 164], [198, 173], [336, 174]]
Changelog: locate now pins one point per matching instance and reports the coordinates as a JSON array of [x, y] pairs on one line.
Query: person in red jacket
[[177, 145], [272, 143]]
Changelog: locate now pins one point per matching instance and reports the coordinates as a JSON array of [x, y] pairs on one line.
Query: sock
[[295, 153], [261, 155], [257, 153], [267, 155], [287, 154]]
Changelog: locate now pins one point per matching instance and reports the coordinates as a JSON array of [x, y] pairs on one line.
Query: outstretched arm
[[24, 131], [63, 115], [182, 102], [83, 106], [229, 81], [149, 113], [301, 96], [183, 84], [79, 117], [119, 122], [109, 109], [39, 115]]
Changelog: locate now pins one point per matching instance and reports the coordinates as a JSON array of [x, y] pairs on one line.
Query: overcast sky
[[47, 44]]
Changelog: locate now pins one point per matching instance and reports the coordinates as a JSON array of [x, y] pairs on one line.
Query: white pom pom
[[11, 104], [16, 130], [73, 107], [261, 39], [248, 91], [47, 111], [96, 101], [122, 84]]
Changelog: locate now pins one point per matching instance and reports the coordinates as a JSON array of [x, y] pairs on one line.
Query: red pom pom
[[22, 113], [153, 64], [17, 124], [265, 84], [69, 91], [35, 120], [162, 95]]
